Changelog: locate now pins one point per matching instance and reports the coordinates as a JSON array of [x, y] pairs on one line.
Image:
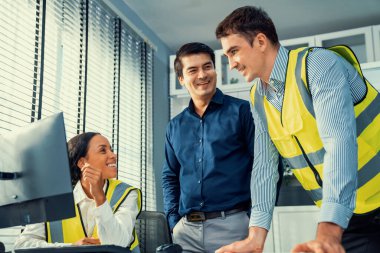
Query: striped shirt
[[334, 86]]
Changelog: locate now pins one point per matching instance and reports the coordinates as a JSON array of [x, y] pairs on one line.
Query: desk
[[77, 249]]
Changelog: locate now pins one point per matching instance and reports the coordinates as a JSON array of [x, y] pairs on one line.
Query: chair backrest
[[152, 230]]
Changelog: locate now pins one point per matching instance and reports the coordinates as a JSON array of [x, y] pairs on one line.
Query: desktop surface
[[77, 249]]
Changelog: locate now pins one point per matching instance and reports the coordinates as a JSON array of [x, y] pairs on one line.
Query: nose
[[233, 64], [113, 155], [202, 74]]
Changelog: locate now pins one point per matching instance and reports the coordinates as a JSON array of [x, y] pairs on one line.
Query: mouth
[[241, 70], [203, 83], [111, 165]]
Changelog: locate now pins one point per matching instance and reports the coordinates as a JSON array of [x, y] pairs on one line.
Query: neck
[[269, 63], [201, 103]]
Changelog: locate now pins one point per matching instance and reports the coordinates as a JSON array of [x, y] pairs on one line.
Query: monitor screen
[[35, 183]]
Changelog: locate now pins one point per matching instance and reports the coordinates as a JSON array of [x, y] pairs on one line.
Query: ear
[[81, 162], [181, 80], [261, 41]]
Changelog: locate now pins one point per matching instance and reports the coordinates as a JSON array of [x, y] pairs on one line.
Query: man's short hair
[[248, 21], [189, 49]]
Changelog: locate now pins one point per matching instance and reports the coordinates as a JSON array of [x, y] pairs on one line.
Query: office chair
[[152, 230]]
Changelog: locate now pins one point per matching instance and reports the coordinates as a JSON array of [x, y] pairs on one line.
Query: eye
[[234, 51], [208, 67]]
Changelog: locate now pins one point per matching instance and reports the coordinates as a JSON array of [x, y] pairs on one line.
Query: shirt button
[[201, 204], [199, 181], [200, 160], [200, 140], [200, 121]]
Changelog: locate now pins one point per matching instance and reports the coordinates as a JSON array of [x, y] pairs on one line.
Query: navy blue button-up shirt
[[208, 159]]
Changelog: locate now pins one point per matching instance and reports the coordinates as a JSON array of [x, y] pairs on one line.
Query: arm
[[263, 191], [170, 183], [34, 236], [333, 106], [117, 228], [248, 133]]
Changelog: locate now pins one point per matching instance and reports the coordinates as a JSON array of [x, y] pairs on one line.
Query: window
[[78, 57]]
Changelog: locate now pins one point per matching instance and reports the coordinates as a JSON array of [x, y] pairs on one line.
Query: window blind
[[100, 95], [63, 61], [20, 34], [130, 143], [76, 56], [19, 56]]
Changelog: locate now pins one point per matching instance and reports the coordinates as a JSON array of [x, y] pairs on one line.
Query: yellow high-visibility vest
[[71, 230], [294, 131]]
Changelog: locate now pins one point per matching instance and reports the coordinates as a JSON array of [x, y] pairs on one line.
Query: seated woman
[[106, 209]]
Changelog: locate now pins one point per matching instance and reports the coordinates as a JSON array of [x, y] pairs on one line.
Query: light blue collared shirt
[[334, 86]]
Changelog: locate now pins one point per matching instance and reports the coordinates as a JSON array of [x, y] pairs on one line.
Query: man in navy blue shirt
[[209, 155]]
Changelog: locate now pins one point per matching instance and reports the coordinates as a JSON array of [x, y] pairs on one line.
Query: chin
[[249, 79], [111, 174]]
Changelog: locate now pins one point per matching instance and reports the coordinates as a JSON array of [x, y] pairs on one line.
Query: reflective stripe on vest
[[72, 230], [295, 134]]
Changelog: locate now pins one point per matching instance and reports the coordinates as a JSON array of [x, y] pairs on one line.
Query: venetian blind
[[63, 61]]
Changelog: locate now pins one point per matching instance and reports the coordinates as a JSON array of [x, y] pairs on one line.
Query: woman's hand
[[93, 177], [88, 241]]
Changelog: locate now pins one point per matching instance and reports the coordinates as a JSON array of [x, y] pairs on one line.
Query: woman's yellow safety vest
[[72, 230], [294, 131]]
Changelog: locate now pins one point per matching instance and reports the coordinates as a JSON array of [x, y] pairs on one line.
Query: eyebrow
[[196, 67], [230, 49], [191, 67]]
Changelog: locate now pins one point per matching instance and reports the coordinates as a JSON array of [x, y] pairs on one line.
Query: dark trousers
[[363, 234]]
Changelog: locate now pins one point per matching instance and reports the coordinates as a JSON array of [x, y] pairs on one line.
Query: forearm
[[117, 228], [171, 192], [328, 229], [257, 236], [36, 243], [264, 177], [34, 236]]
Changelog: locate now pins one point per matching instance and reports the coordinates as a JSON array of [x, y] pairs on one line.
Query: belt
[[202, 216]]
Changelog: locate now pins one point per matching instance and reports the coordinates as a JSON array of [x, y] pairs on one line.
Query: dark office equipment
[[152, 230], [169, 248], [78, 249], [2, 247], [35, 181]]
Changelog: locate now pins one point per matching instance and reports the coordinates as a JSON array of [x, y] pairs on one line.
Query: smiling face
[[100, 155], [198, 76], [246, 58]]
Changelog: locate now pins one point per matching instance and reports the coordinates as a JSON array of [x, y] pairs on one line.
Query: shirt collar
[[80, 195], [218, 98], [278, 74]]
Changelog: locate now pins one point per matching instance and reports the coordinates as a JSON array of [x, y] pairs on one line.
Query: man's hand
[[87, 241], [328, 240], [253, 243]]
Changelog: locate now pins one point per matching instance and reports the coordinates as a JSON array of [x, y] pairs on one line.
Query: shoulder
[[323, 64], [178, 118], [322, 57], [234, 101], [121, 185]]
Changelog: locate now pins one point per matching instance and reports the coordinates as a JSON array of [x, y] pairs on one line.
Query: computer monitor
[[35, 182]]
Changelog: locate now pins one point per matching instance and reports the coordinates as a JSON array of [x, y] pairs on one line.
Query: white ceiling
[[180, 21]]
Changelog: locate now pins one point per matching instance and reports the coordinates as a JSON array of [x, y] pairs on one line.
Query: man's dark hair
[[189, 49], [248, 21], [77, 148]]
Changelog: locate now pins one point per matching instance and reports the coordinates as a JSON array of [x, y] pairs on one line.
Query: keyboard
[[77, 249]]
